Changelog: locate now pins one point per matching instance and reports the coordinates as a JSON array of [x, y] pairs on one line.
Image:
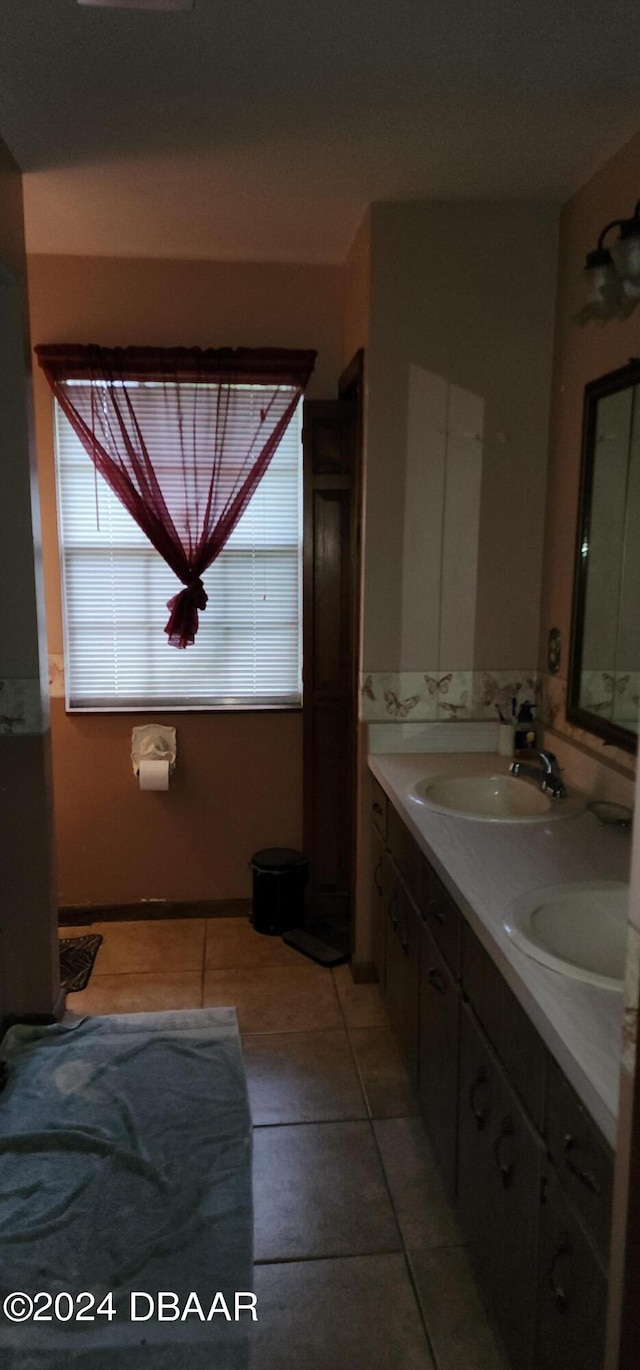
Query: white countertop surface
[[486, 866]]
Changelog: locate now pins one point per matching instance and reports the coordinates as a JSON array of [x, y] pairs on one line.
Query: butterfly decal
[[399, 708], [367, 688], [502, 695], [438, 685], [456, 710]]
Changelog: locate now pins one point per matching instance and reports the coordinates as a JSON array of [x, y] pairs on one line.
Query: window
[[247, 653]]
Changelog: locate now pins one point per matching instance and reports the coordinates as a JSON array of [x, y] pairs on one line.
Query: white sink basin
[[579, 930], [492, 799]]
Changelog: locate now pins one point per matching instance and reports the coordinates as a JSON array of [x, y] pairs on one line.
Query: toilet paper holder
[[153, 742]]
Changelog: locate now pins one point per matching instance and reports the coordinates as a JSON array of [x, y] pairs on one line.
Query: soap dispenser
[[525, 732]]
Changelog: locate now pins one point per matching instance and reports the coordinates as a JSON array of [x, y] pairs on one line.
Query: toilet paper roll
[[154, 775]]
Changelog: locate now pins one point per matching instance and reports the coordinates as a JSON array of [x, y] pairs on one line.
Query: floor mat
[[77, 955]]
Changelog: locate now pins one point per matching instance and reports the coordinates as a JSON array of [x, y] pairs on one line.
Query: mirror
[[604, 677]]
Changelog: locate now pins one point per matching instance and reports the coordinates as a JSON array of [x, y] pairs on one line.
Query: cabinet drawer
[[378, 808], [441, 915], [582, 1158], [506, 1024]]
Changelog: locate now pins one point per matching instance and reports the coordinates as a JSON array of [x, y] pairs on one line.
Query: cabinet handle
[[435, 911], [479, 1113], [377, 880], [557, 1289], [571, 1149], [377, 808], [437, 980], [505, 1167], [393, 899]]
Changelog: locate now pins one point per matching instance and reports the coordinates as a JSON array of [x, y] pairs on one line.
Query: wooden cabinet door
[[442, 915], [499, 1182], [439, 1015], [402, 955], [572, 1290], [378, 931]]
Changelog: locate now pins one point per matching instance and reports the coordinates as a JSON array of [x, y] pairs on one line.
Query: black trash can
[[279, 877]]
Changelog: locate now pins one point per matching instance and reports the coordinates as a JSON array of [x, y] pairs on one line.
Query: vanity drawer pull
[[479, 1113], [377, 808], [505, 1167], [437, 980], [434, 910], [571, 1151], [557, 1289]]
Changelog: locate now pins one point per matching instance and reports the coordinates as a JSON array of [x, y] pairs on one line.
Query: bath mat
[[321, 942], [77, 955]]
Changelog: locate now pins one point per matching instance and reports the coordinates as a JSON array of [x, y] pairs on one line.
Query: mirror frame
[[613, 733]]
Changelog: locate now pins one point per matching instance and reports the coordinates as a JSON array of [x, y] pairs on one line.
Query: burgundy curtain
[[185, 465]]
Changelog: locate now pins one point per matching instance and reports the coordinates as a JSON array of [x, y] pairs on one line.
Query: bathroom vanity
[[515, 1065]]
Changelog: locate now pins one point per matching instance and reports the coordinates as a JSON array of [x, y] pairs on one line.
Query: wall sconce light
[[612, 274]]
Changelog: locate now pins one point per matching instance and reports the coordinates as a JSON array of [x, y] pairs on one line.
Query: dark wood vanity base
[[527, 1169]]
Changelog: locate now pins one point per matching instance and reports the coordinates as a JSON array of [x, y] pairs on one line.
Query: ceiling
[[261, 129]]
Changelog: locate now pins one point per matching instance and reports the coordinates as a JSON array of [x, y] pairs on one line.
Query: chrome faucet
[[549, 777]]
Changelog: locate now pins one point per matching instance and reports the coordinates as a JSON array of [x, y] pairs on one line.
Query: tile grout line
[[405, 1252], [404, 1249], [360, 1078], [310, 1122], [334, 1256]]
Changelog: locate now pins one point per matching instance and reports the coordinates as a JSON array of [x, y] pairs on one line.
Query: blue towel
[[125, 1165]]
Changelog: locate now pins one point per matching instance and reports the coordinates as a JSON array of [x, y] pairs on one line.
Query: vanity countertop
[[486, 866]]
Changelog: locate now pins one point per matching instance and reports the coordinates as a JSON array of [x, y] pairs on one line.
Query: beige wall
[[28, 953], [239, 783], [464, 292], [580, 355]]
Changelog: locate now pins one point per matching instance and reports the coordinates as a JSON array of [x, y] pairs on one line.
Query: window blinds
[[115, 590]]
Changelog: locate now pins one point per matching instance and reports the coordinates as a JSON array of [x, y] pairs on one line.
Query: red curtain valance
[[187, 481], [248, 365]]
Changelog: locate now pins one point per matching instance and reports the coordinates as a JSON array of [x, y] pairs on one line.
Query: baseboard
[[79, 915]]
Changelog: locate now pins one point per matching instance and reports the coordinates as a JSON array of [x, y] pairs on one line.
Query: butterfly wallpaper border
[[437, 696]]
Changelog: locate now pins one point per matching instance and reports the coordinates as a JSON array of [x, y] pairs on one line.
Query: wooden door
[[331, 513]]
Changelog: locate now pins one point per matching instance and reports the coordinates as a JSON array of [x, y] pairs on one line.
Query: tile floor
[[359, 1265]]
